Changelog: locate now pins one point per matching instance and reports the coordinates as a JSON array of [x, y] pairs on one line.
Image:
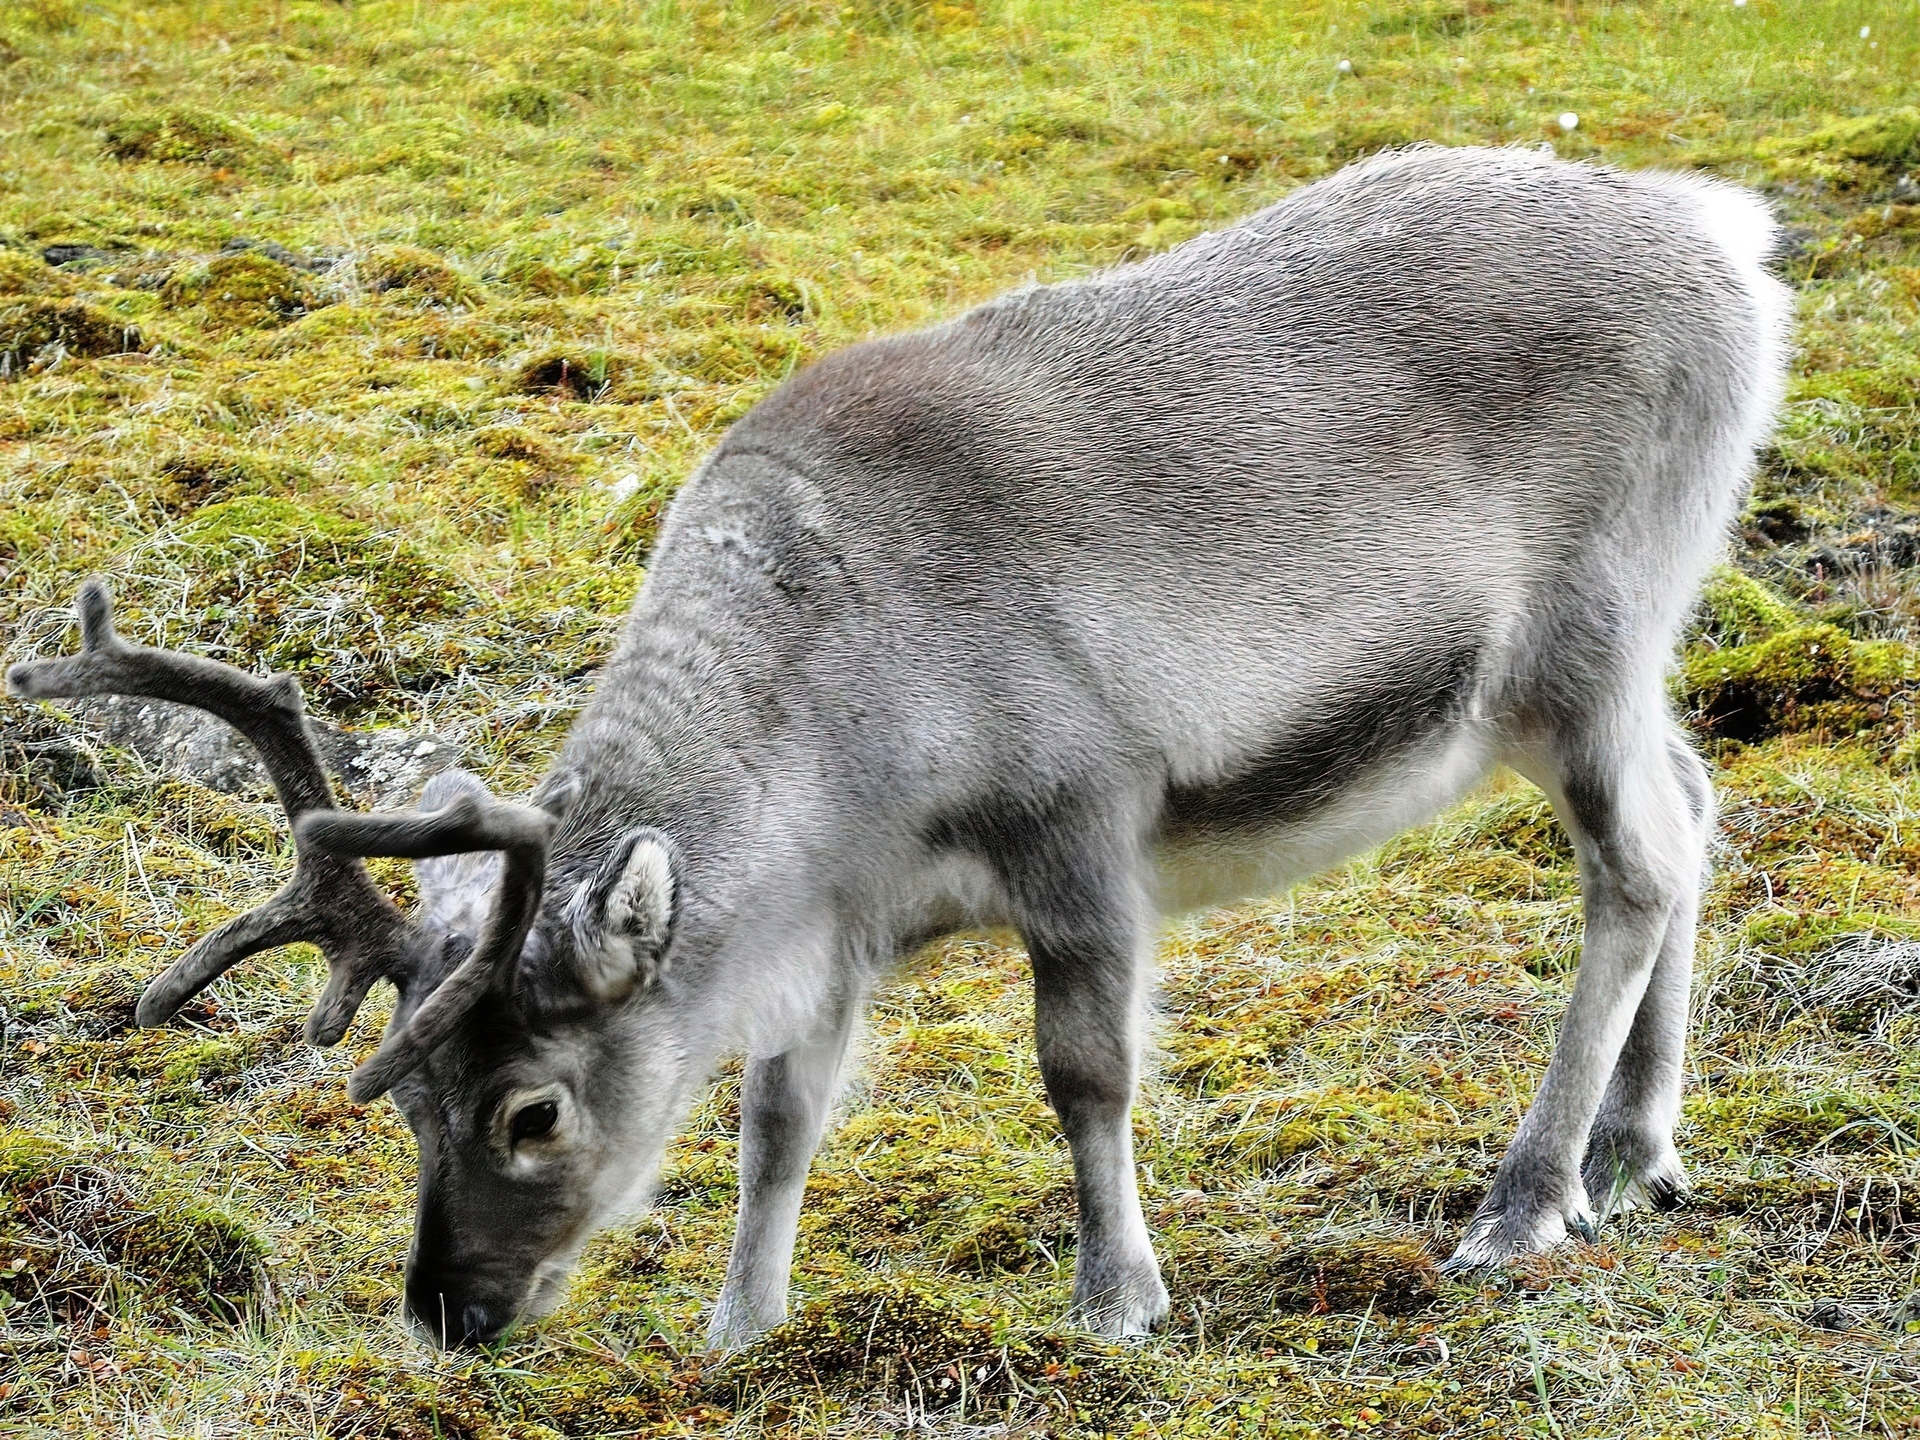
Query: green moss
[[408, 272], [46, 17], [372, 1398], [1869, 150], [103, 997], [187, 1252], [119, 1242], [209, 473], [1884, 221], [712, 201], [22, 274], [183, 135], [1508, 845], [578, 374], [247, 291], [741, 354], [529, 104], [424, 149], [1818, 1122], [257, 554], [1810, 678], [191, 1069], [1736, 609], [899, 1334], [1373, 132], [1265, 1131], [28, 1161], [1006, 1244], [39, 332], [1793, 933], [786, 298], [1063, 116]]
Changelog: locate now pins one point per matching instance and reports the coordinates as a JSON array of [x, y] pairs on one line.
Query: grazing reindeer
[[1103, 601]]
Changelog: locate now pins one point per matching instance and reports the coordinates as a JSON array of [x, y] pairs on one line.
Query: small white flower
[[1865, 31], [623, 489], [968, 119], [1345, 67], [1569, 120], [1739, 4]]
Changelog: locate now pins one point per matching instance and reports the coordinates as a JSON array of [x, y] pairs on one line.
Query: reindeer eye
[[530, 1122]]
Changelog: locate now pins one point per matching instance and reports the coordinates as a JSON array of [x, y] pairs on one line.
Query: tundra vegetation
[[368, 342]]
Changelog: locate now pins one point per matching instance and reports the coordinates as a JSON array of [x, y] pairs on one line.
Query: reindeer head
[[539, 1098]]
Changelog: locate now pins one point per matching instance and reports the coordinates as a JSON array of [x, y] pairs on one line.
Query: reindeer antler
[[329, 900], [467, 824]]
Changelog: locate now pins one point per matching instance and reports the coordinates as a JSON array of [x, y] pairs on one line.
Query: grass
[[377, 338]]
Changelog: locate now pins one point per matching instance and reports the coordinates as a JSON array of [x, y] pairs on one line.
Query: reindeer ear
[[457, 890], [622, 916]]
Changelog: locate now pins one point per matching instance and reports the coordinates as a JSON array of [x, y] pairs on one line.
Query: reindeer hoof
[[1508, 1226], [1127, 1306], [1624, 1172]]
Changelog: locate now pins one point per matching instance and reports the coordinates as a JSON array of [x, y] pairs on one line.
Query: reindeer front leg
[[1087, 941], [784, 1100], [1088, 1033]]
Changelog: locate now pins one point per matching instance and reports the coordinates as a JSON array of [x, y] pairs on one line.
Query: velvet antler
[[469, 823], [330, 900]]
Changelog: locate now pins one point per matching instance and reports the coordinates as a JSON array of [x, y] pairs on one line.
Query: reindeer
[[1106, 600]]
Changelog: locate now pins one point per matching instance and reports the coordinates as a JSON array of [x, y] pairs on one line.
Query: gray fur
[[1116, 598]]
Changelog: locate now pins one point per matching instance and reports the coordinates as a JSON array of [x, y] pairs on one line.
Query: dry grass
[[507, 269]]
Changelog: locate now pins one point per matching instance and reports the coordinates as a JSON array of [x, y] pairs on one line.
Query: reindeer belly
[[1242, 838]]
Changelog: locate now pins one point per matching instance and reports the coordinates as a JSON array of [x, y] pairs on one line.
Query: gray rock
[[383, 769], [41, 764]]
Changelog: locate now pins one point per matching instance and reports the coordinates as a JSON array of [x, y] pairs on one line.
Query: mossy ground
[[371, 340]]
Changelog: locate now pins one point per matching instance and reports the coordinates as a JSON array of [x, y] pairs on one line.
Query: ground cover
[[369, 341]]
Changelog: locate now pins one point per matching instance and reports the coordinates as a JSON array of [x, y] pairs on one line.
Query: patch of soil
[[85, 256], [40, 331], [1244, 1285], [85, 1237], [1813, 678], [43, 765], [577, 376], [190, 137]]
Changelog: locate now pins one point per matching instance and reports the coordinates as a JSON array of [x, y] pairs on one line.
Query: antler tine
[[268, 712], [329, 900], [468, 824], [278, 922]]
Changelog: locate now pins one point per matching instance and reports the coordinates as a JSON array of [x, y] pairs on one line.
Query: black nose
[[451, 1321], [478, 1325]]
